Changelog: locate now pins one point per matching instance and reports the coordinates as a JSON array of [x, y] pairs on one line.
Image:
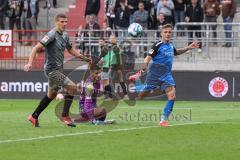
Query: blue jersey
[[160, 68]]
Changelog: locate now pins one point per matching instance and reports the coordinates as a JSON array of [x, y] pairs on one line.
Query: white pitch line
[[149, 108], [87, 133], [203, 109]]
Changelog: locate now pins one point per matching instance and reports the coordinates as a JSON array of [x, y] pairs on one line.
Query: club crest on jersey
[[45, 39], [218, 87]]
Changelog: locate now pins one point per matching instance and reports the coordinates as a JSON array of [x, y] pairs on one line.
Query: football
[[89, 89], [135, 30]]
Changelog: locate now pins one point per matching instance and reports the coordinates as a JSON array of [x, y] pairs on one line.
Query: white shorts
[[104, 75]]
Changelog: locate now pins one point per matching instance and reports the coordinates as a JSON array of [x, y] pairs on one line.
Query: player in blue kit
[[159, 70]]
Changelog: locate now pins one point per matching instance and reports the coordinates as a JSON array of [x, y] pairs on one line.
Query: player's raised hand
[[27, 67], [194, 45]]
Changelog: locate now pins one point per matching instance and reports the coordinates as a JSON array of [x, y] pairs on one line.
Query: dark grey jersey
[[55, 44]]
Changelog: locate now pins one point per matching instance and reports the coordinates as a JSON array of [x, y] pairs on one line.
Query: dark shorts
[[56, 80], [116, 75]]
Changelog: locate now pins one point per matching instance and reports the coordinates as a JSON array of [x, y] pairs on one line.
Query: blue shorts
[[153, 83]]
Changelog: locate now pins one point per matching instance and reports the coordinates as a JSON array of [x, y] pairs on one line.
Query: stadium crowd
[[23, 14], [152, 14], [119, 14]]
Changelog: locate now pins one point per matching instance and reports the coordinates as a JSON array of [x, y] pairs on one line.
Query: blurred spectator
[[212, 11], [161, 20], [3, 7], [93, 33], [15, 9], [128, 54], [30, 21], [179, 14], [92, 8], [133, 6], [93, 27], [141, 16], [152, 20], [80, 40], [229, 8], [106, 30], [110, 13], [54, 3], [47, 4], [194, 13], [122, 19], [166, 7]]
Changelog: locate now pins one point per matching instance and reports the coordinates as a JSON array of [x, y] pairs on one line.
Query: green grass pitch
[[199, 131]]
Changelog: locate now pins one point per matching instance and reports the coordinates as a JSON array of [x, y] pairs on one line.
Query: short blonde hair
[[168, 25]]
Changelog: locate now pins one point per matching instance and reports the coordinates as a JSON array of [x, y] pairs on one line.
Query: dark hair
[[168, 25], [60, 15], [142, 3], [94, 67]]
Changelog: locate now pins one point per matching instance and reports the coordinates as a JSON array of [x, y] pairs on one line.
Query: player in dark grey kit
[[55, 42]]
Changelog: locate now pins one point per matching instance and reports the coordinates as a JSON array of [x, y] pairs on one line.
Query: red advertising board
[[6, 44]]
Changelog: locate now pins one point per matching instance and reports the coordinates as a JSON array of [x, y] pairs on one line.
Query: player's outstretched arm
[[28, 66], [146, 62], [185, 49], [75, 53]]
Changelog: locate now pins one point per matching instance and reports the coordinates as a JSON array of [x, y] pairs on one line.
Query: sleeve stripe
[[153, 51], [43, 44]]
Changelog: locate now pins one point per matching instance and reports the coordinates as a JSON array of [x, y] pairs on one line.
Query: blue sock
[[139, 85], [167, 110]]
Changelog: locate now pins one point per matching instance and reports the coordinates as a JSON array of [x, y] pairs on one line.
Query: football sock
[[102, 115], [102, 118], [139, 85], [167, 110], [42, 105], [67, 104], [108, 90], [123, 88]]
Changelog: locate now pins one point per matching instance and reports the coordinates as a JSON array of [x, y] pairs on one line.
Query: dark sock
[[105, 90], [67, 104], [123, 88], [42, 105], [102, 115], [102, 118], [108, 90]]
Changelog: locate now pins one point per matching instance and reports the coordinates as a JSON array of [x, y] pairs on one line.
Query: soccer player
[[55, 42], [89, 91], [159, 71]]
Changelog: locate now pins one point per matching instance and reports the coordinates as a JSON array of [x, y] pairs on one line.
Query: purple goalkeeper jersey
[[88, 103]]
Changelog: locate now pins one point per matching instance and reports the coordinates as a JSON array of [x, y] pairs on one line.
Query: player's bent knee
[[100, 113], [71, 90], [172, 96], [171, 93], [51, 94]]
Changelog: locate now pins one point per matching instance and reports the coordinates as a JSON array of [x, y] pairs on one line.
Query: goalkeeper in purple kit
[[89, 91]]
